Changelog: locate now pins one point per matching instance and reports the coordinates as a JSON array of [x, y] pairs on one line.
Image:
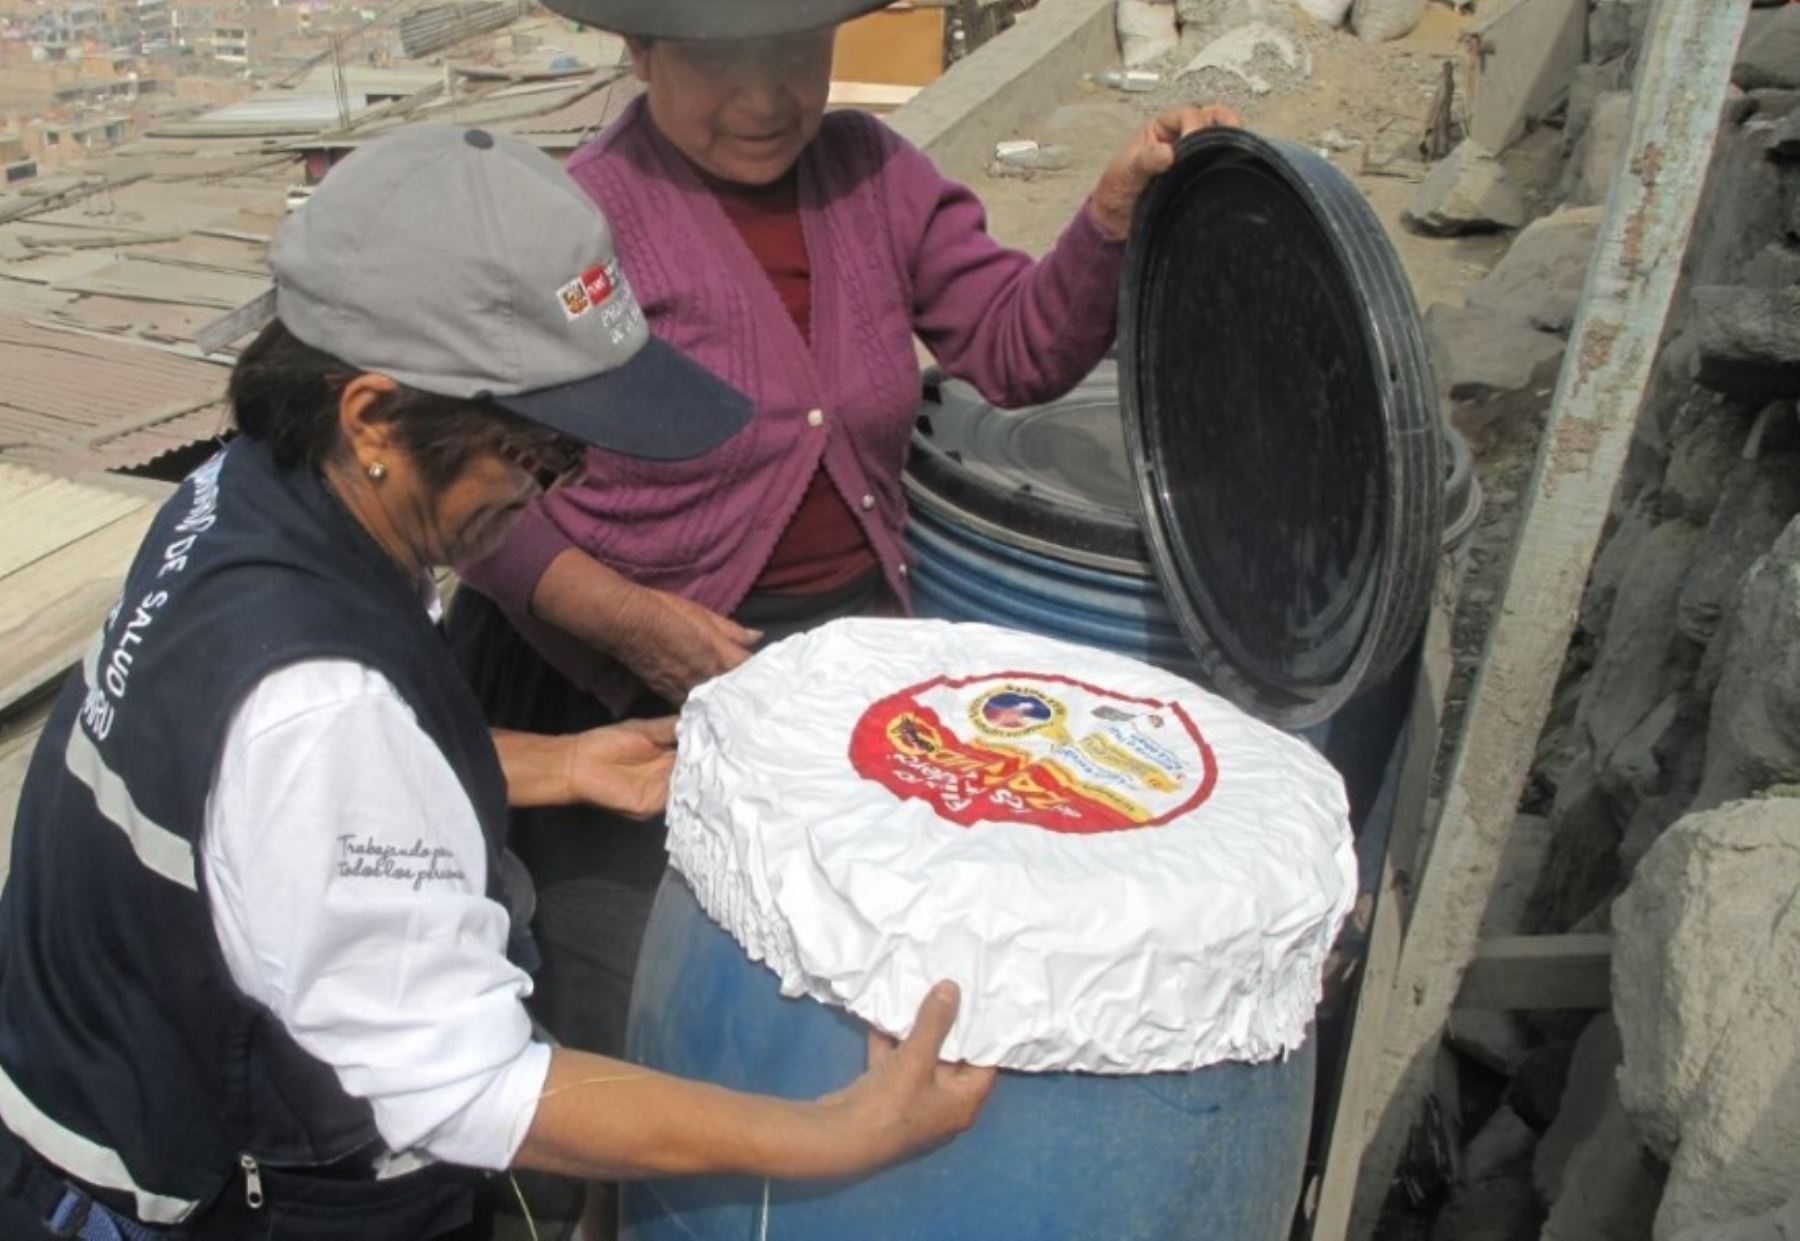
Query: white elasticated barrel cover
[[1125, 873]]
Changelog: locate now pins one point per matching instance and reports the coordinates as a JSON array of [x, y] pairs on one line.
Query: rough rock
[[1489, 1037], [1609, 1191], [1503, 1148], [1655, 815], [1478, 353], [1583, 867], [1615, 26], [1560, 745], [1536, 1090], [1639, 663], [1497, 1209], [1680, 358], [1378, 21], [1539, 278], [1758, 500], [1744, 207], [1634, 769], [1769, 55], [1467, 192], [1330, 12], [1749, 340], [1754, 741], [1592, 1082], [1775, 104], [1704, 456], [1781, 1224], [1706, 985], [1596, 156], [1620, 550], [1784, 139], [1590, 84], [1147, 31], [1776, 266], [1739, 106]]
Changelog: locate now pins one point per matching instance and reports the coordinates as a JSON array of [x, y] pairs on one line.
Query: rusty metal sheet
[[64, 388]]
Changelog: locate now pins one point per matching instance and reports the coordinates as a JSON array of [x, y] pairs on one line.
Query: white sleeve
[[347, 875]]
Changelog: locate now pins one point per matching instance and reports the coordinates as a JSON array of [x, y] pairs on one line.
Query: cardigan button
[[815, 418], [868, 502], [902, 570]]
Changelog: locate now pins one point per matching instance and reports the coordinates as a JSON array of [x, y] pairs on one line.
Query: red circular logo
[[1036, 748]]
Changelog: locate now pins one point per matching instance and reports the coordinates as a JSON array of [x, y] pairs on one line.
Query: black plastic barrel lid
[[1054, 478], [1279, 404]]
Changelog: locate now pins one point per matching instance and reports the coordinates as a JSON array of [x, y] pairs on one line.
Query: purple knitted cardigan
[[896, 249]]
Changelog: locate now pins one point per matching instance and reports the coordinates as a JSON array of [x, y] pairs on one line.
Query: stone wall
[[1668, 780]]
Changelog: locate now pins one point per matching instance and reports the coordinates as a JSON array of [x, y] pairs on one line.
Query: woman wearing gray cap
[[257, 975], [795, 254]]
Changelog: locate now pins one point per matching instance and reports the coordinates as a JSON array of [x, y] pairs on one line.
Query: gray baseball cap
[[467, 264]]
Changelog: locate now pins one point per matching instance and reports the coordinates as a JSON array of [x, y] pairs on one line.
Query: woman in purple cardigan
[[795, 254]]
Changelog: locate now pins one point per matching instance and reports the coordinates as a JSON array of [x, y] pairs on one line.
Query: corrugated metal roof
[[588, 114], [176, 206], [495, 105], [66, 389], [160, 282], [135, 447], [64, 547], [40, 514], [19, 300], [52, 267], [157, 323], [207, 252]]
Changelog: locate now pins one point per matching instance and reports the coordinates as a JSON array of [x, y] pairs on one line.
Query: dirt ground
[[1373, 95]]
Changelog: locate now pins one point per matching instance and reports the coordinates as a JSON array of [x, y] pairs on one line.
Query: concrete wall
[[1013, 79]]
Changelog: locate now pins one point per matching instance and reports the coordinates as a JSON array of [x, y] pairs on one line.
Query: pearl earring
[[376, 471]]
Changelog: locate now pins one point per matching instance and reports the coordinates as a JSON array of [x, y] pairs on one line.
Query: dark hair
[[285, 393]]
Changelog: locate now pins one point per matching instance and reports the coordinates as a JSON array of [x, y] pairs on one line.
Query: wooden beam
[[1683, 72], [1329, 1214], [1540, 972]]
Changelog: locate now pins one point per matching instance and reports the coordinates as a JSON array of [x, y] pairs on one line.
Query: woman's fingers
[[1150, 153]]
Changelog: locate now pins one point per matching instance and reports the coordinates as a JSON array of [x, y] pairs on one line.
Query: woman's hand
[[674, 644], [669, 643], [624, 767], [600, 1118], [908, 1099], [1149, 154], [620, 767]]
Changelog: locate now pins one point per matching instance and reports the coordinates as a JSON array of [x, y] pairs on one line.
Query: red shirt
[[823, 546]]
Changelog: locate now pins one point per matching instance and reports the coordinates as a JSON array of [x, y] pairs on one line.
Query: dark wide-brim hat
[[711, 19]]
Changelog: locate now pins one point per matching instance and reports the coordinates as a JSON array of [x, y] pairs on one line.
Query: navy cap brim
[[660, 406]]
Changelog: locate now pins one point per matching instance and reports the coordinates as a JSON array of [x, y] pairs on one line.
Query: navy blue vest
[[128, 1058]]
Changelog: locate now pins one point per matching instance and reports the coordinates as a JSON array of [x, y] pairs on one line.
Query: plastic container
[[1215, 1153]]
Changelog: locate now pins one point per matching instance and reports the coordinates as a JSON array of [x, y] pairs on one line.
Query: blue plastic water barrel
[[960, 574], [1011, 528], [1214, 1154]]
